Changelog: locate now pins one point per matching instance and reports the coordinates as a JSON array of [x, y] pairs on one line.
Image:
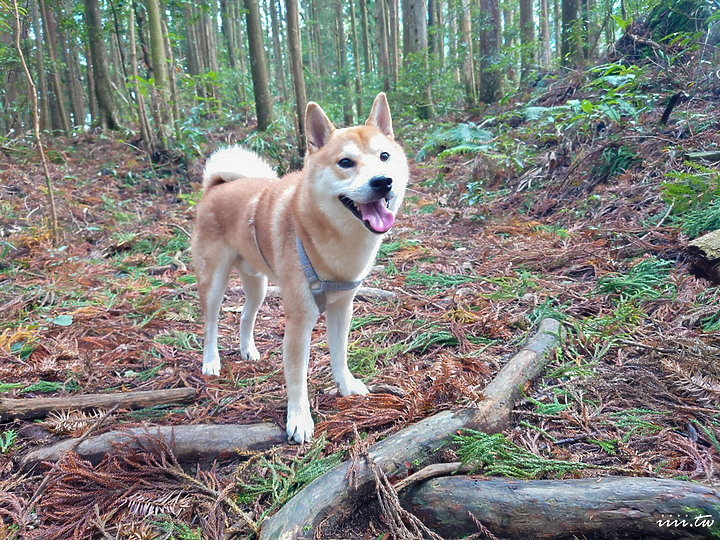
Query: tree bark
[[571, 49], [365, 36], [606, 507], [356, 61], [74, 76], [258, 65], [329, 496], [544, 34], [161, 87], [383, 47], [189, 443], [277, 50], [45, 123], [106, 111], [527, 39], [295, 46], [145, 130], [416, 33], [467, 54], [490, 76], [393, 20], [50, 26], [342, 63]]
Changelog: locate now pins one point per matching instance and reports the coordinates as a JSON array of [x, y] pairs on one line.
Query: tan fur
[[243, 204]]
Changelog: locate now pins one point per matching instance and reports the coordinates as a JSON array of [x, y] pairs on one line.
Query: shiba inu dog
[[315, 232]]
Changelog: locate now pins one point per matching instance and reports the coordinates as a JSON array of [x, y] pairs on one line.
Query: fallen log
[[199, 442], [36, 407], [705, 255], [329, 497], [611, 507]]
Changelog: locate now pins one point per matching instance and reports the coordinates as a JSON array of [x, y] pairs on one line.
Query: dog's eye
[[346, 163], [384, 156]]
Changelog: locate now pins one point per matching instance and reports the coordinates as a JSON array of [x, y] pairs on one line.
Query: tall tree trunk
[[9, 111], [382, 35], [557, 20], [294, 44], [45, 122], [342, 63], [277, 51], [90, 76], [73, 64], [258, 65], [490, 76], [356, 61], [572, 53], [393, 19], [416, 29], [319, 52], [435, 31], [145, 131], [453, 32], [50, 26], [544, 34], [467, 54], [106, 113], [509, 44], [365, 36], [527, 39], [174, 108], [161, 87]]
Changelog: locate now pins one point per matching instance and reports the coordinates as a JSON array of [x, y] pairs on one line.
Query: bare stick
[[37, 407], [36, 122]]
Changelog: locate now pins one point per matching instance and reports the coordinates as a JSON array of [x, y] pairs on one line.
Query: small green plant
[[615, 160], [458, 139], [697, 221], [648, 279], [495, 454], [7, 440], [691, 189]]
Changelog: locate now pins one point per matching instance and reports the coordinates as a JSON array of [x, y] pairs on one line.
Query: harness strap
[[318, 286]]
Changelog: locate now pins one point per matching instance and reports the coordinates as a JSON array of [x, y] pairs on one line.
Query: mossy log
[[611, 507], [330, 497]]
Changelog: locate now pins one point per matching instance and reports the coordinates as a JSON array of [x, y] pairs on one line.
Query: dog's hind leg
[[212, 276], [337, 321], [255, 287]]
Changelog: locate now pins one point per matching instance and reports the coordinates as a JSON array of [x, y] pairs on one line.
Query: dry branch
[[606, 507], [193, 443], [328, 497], [37, 407]]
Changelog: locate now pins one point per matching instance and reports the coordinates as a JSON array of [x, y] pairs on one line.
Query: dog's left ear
[[380, 116], [318, 127]]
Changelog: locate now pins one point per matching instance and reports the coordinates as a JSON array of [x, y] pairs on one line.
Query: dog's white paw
[[249, 352], [211, 366], [300, 427], [352, 386]]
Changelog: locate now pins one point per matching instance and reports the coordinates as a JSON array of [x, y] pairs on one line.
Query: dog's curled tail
[[233, 162]]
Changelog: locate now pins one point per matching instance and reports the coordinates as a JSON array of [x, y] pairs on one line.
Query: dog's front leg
[[296, 355], [337, 321]]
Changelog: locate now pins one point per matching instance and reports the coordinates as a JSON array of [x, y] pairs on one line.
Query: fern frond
[[704, 388]]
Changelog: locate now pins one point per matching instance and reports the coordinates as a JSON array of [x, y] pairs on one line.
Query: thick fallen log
[[329, 497], [200, 442], [36, 407], [612, 507]]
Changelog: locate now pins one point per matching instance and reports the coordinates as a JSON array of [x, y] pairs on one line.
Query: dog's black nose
[[381, 184]]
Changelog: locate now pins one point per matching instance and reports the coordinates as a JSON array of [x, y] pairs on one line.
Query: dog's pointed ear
[[318, 127], [380, 116]]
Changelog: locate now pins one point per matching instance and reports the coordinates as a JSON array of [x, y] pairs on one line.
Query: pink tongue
[[377, 215]]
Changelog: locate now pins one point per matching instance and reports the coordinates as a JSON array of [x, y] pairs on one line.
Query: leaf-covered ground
[[570, 201]]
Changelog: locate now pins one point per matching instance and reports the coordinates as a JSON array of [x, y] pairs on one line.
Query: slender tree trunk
[[52, 47], [277, 51], [558, 29], [527, 39], [73, 64], [509, 43], [319, 53], [161, 87], [294, 44], [416, 29], [45, 122], [342, 63], [174, 108], [90, 76], [258, 65], [544, 34], [453, 32], [394, 45], [435, 31], [572, 53], [365, 36], [107, 113], [382, 35], [467, 54], [490, 76], [609, 26], [143, 121], [356, 61]]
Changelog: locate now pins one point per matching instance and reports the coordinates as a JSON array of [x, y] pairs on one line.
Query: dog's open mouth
[[375, 215]]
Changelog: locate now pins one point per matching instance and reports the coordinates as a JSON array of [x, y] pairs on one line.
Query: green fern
[[459, 139], [647, 279]]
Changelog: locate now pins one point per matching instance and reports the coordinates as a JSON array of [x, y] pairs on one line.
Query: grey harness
[[318, 286]]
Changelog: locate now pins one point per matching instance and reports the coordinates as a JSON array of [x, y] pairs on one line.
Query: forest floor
[[481, 253]]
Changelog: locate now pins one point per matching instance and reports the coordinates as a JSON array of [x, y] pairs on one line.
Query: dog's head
[[357, 175]]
